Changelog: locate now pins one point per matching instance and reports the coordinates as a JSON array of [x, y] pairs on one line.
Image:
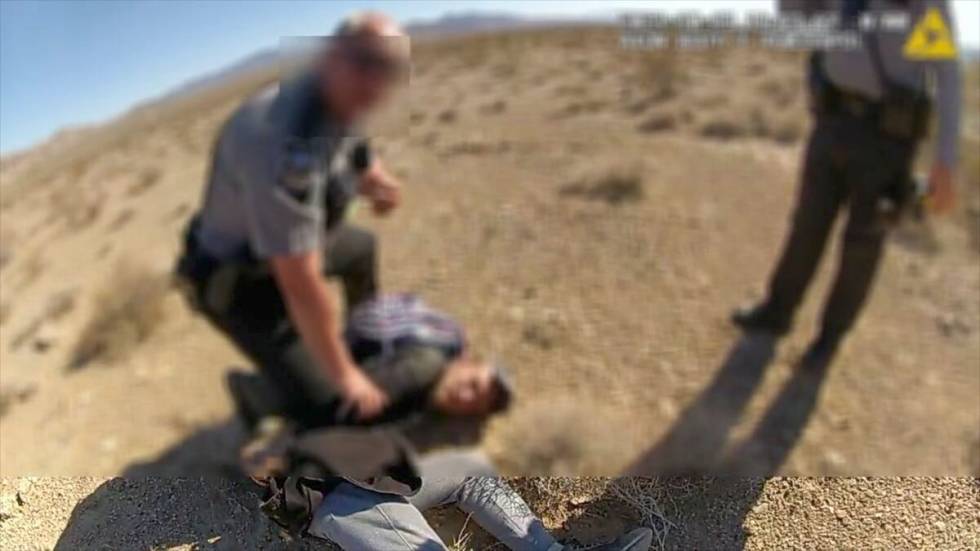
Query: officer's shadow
[[729, 479], [193, 495], [696, 445]]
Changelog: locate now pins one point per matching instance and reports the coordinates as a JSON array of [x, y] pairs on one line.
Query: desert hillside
[[591, 215]]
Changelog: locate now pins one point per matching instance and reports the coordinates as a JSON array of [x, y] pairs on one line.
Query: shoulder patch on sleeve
[[300, 168]]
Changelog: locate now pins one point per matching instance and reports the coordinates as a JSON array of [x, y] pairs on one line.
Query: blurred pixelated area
[[590, 213]]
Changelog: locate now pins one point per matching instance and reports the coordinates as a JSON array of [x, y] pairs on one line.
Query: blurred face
[[359, 73], [468, 387]]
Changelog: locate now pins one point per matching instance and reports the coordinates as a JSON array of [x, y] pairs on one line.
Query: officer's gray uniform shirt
[[281, 173], [852, 69]]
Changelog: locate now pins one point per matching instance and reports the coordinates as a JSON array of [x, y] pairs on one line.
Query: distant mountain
[[470, 22], [260, 61], [447, 25]]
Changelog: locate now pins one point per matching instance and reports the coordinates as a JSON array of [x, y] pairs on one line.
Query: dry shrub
[[615, 188], [662, 73], [645, 498], [570, 90], [33, 267], [556, 437], [784, 128], [579, 107], [724, 126], [557, 498], [5, 310], [180, 212], [477, 147], [78, 169], [80, 207], [787, 131], [60, 305], [447, 116], [121, 219], [462, 541], [642, 500], [6, 253], [971, 163], [128, 310], [756, 68], [636, 107], [778, 92], [11, 395], [712, 101], [494, 108], [660, 121], [503, 70], [147, 179]]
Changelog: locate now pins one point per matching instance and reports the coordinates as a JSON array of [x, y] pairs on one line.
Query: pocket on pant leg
[[361, 520]]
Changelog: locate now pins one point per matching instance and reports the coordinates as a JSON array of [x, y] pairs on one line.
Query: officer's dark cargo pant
[[848, 162], [258, 322]]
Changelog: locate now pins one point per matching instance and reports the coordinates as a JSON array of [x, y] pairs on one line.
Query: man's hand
[[381, 188], [360, 394], [313, 310], [942, 194]]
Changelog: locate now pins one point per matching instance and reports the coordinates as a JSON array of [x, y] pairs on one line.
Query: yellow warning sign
[[930, 38]]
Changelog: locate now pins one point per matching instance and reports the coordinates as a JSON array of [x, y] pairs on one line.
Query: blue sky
[[68, 63]]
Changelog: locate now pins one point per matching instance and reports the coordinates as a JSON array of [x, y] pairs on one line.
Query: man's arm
[[313, 309]]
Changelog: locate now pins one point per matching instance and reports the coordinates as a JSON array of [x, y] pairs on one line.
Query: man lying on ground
[[359, 519], [367, 490], [415, 354]]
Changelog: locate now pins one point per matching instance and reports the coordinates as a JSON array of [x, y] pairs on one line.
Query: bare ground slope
[[590, 214]]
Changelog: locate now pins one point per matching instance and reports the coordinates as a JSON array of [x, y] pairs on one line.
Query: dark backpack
[[375, 459]]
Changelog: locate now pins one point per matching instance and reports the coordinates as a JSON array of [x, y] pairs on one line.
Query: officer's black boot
[[760, 318], [820, 353], [634, 540]]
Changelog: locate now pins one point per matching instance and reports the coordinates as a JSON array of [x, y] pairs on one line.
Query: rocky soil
[[591, 215]]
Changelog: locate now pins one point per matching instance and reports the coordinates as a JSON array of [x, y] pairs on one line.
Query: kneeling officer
[[284, 168]]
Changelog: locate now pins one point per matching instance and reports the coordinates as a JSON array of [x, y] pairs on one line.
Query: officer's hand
[[361, 396], [942, 193], [382, 189]]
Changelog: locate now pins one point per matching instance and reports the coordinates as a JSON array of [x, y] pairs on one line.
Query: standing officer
[[872, 108], [284, 168]]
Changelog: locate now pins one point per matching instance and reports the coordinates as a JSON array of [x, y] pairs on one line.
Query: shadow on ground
[[192, 494], [727, 480]]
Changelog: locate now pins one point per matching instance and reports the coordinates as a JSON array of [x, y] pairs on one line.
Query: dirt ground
[[68, 513], [590, 214]]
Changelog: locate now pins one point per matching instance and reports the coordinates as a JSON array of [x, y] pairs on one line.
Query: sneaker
[[634, 540], [759, 319], [820, 353]]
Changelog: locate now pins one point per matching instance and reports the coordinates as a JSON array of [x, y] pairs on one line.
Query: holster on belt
[[902, 112], [207, 283]]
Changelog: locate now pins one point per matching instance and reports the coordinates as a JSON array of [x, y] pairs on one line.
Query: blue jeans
[[361, 520]]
